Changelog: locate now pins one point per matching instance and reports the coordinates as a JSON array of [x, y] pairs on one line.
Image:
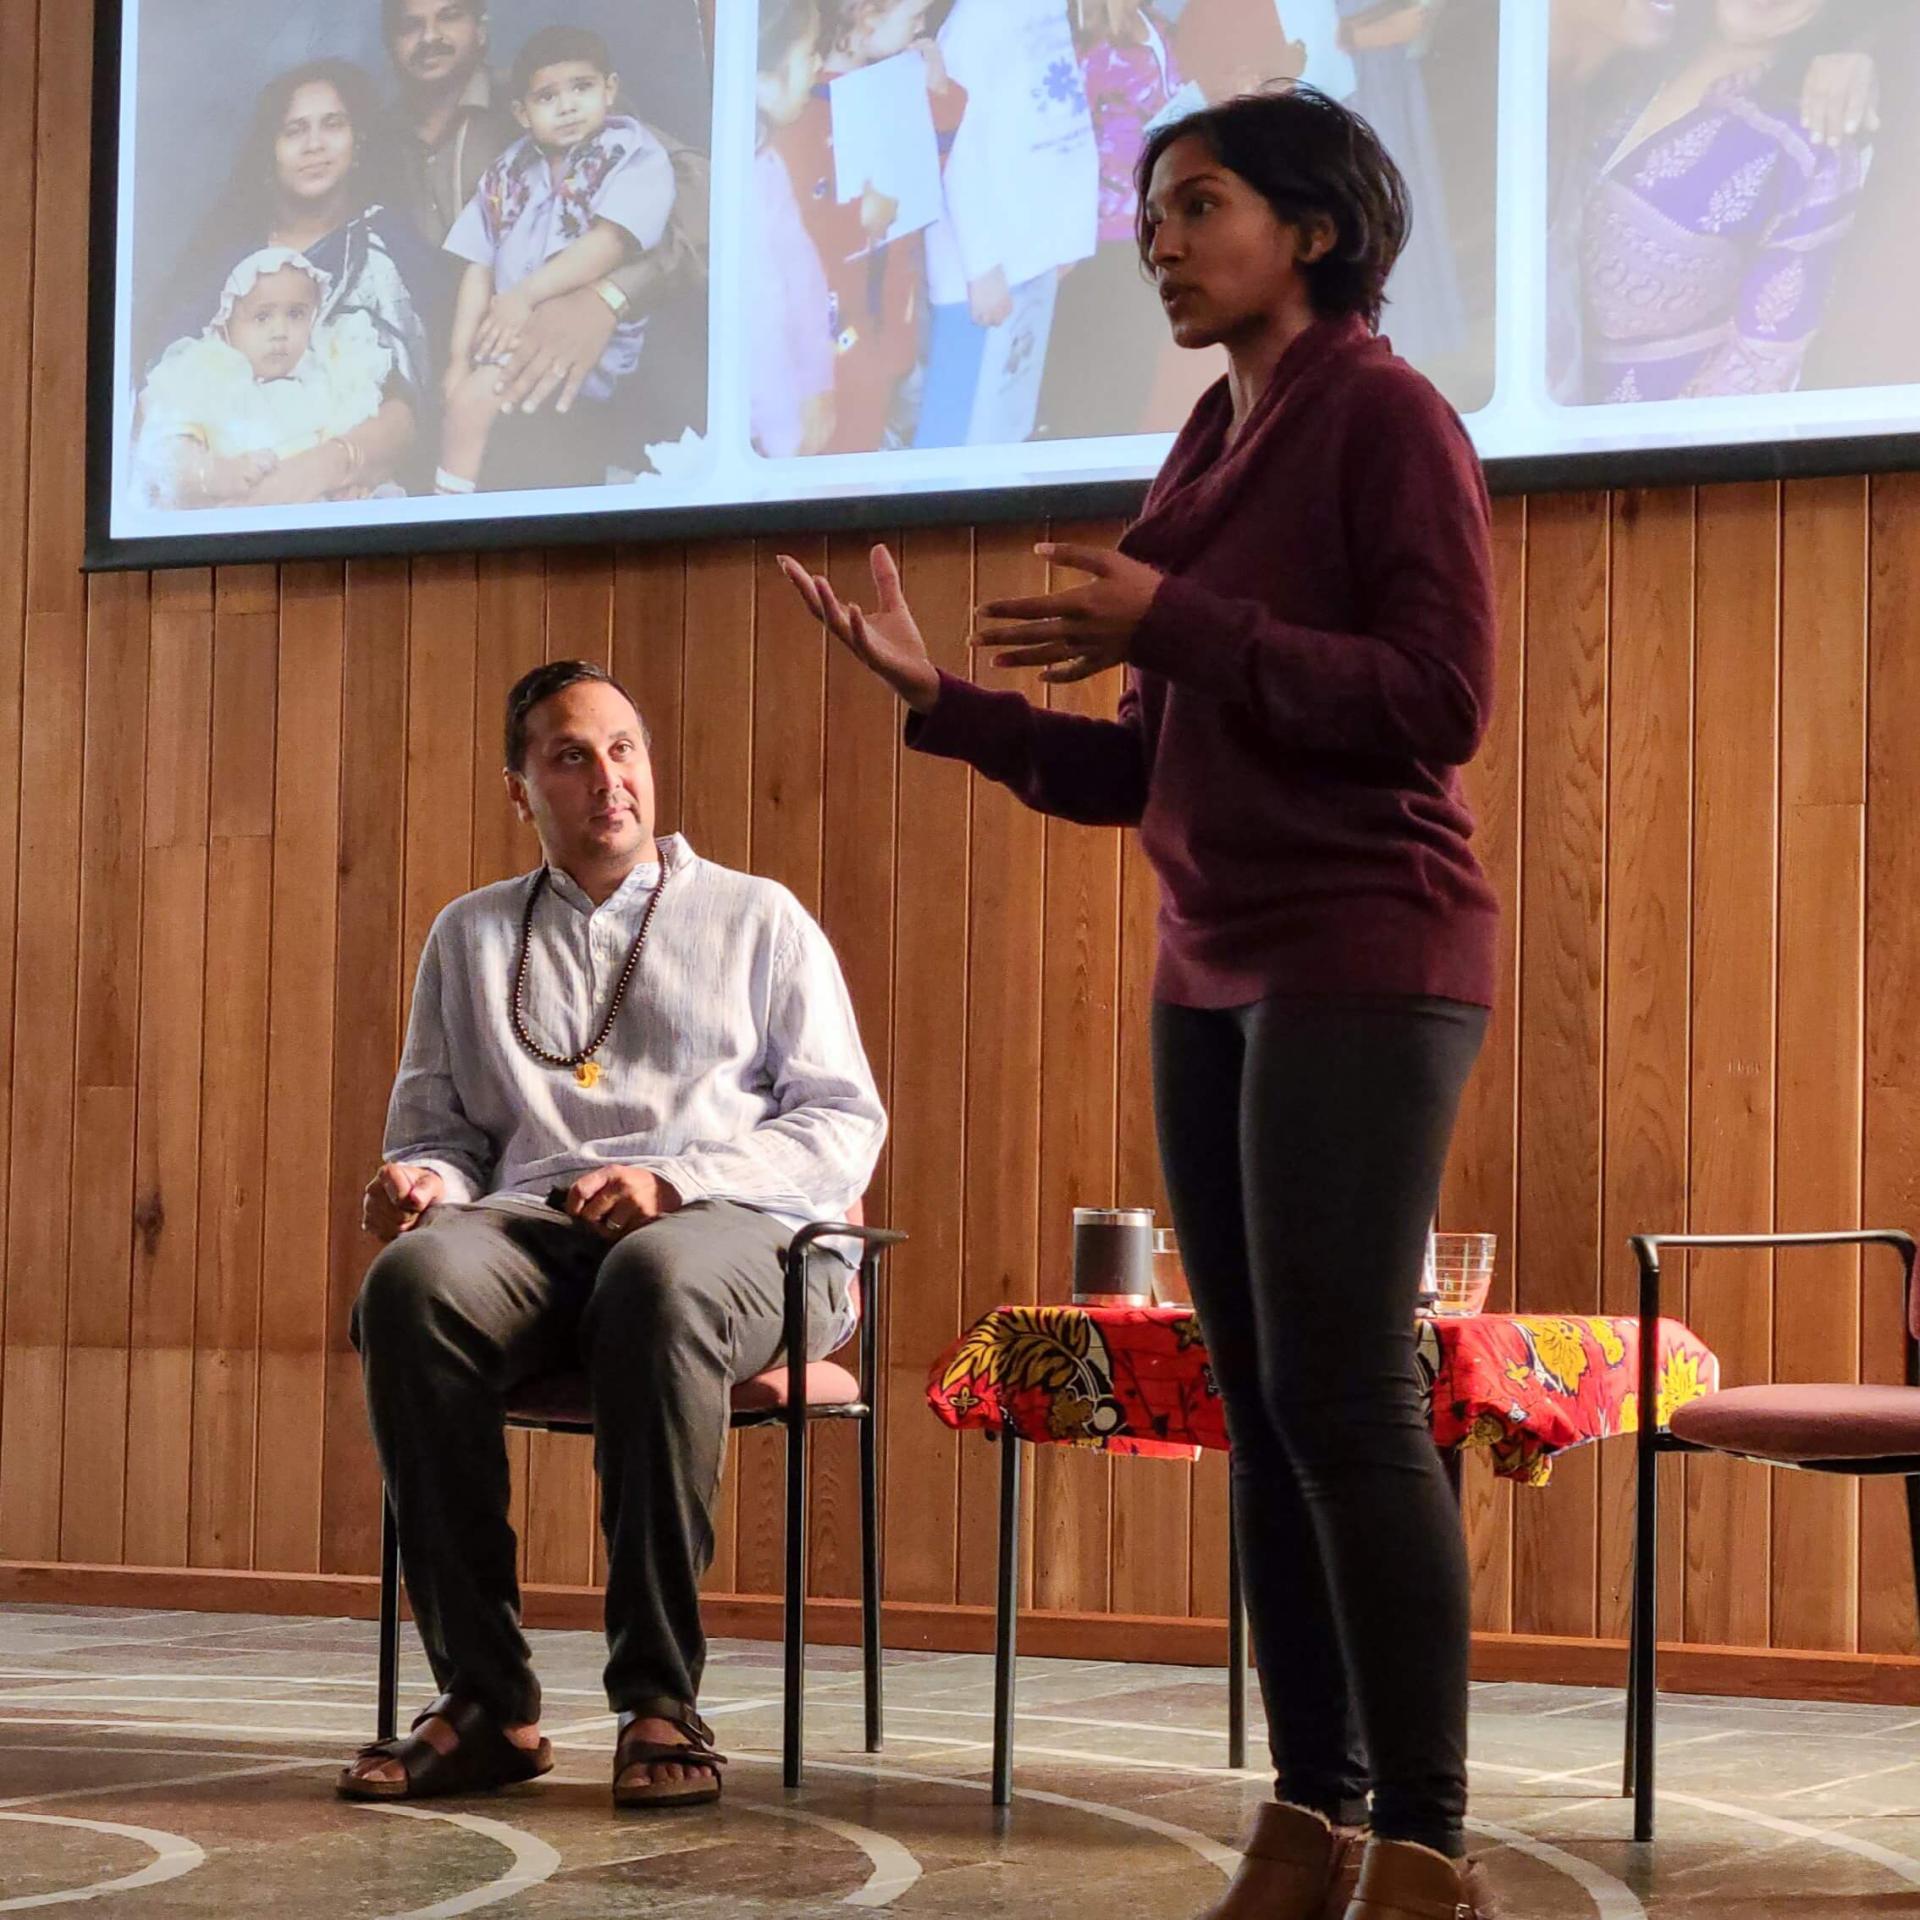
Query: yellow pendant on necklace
[[587, 1073]]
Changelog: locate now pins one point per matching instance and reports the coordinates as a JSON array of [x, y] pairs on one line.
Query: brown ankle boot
[[1296, 1866], [1402, 1881]]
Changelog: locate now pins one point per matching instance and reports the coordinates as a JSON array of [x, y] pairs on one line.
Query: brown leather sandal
[[483, 1759], [696, 1753]]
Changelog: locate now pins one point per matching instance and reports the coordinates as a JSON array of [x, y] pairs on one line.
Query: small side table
[[1137, 1380]]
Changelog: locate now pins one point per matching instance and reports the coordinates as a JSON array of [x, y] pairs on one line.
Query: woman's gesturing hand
[[886, 640], [1079, 632]]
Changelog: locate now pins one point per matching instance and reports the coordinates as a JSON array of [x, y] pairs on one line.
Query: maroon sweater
[[1314, 671]]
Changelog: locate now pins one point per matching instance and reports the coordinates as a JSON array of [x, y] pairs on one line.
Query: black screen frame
[[1697, 464]]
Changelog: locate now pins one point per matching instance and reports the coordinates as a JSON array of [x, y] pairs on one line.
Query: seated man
[[667, 1047]]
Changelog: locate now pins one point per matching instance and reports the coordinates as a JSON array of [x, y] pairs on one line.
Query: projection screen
[[391, 275]]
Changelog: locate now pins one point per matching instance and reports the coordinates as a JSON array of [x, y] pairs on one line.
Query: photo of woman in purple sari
[[1712, 216]]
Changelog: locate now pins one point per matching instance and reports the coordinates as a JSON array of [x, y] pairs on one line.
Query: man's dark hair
[[390, 13], [542, 684], [549, 47], [1306, 155]]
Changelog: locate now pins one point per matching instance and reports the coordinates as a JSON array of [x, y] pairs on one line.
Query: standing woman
[[1304, 612]]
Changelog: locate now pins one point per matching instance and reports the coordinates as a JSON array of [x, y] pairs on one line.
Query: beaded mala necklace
[[586, 1069]]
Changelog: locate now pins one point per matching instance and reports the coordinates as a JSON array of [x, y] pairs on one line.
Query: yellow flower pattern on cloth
[[1559, 1351], [1680, 1382]]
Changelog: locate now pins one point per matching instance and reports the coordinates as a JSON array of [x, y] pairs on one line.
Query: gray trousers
[[475, 1300]]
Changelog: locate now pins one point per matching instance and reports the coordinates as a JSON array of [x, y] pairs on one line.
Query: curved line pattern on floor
[[173, 1855], [895, 1867], [1612, 1898], [1903, 1866], [533, 1861]]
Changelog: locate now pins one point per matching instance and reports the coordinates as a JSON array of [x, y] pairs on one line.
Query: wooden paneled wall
[[235, 800]]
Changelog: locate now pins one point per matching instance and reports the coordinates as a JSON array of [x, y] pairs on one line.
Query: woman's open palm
[[887, 640]]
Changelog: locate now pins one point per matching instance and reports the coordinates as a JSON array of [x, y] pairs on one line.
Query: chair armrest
[[874, 1242], [1646, 1250], [870, 1237]]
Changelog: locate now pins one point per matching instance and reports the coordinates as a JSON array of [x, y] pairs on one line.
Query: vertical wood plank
[[1817, 1143], [1736, 667], [1891, 1165], [1006, 904], [19, 77], [226, 1319], [929, 1150], [39, 1165], [1562, 969], [1649, 852], [367, 1002], [166, 1211], [99, 1299], [291, 1423]]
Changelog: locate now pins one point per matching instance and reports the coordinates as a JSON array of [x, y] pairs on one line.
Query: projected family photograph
[[946, 252], [402, 247], [1731, 198]]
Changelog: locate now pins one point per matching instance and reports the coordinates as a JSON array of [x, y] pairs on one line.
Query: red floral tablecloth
[[1137, 1380]]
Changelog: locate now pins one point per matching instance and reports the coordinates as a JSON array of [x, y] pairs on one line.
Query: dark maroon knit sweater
[[1314, 671]]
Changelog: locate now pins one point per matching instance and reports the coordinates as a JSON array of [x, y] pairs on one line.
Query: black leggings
[[1304, 1141]]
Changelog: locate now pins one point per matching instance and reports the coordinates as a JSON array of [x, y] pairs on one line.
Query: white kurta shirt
[[734, 1070]]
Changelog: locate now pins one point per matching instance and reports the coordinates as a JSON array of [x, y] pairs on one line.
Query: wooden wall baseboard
[[1754, 1672]]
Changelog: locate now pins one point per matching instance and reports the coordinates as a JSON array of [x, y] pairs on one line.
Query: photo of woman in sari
[[1711, 210], [308, 178]]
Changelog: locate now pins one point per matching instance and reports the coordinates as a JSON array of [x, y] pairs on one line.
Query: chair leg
[[870, 1575], [1641, 1684], [1007, 1601], [1913, 1529], [794, 1680], [388, 1679], [1236, 1653]]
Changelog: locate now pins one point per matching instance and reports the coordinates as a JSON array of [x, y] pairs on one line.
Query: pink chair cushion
[[827, 1386], [1800, 1423], [562, 1398]]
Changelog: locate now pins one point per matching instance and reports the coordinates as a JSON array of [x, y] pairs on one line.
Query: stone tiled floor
[[179, 1764]]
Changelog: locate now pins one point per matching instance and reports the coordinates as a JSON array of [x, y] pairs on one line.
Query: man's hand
[[990, 299], [1081, 631], [615, 1200], [560, 344], [397, 1197]]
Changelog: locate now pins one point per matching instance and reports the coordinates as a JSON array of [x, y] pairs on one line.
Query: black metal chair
[[561, 1403], [1842, 1428]]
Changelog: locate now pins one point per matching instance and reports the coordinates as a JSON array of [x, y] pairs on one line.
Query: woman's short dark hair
[[542, 684], [1306, 155]]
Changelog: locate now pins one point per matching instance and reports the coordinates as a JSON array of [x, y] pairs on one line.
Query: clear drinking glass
[[1169, 1276], [1459, 1273]]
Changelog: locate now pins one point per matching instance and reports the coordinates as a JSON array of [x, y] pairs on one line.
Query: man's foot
[[437, 1731], [646, 1775], [455, 1746]]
